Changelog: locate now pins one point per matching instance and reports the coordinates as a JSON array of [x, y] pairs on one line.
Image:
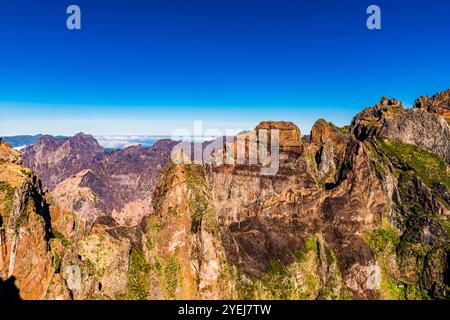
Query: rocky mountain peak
[[385, 101], [86, 142], [47, 140], [164, 144], [418, 126], [8, 154], [290, 135], [369, 122], [328, 144], [323, 131], [56, 159]]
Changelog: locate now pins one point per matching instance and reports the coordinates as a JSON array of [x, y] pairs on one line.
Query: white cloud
[[119, 142]]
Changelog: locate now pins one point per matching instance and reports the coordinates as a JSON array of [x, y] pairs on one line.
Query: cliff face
[[415, 126], [438, 104], [97, 202], [282, 236], [357, 212], [410, 156], [26, 244], [47, 252]]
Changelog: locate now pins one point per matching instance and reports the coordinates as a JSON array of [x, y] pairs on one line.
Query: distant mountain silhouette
[[24, 140]]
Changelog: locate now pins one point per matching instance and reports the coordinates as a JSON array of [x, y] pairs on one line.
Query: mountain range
[[354, 212]]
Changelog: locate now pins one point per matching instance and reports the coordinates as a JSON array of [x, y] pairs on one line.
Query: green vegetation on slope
[[59, 235], [169, 276], [383, 240], [430, 168], [198, 203], [138, 281], [78, 204], [418, 176], [163, 186], [6, 200], [299, 280]]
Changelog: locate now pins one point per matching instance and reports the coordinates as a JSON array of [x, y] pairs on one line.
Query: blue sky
[[149, 67]]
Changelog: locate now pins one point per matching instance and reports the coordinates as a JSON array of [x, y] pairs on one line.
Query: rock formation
[[26, 244], [415, 126], [437, 104], [91, 182], [358, 212]]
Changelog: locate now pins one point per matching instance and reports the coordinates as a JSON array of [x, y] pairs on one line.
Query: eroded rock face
[[266, 219], [289, 134], [102, 258], [438, 104], [260, 220], [183, 237], [372, 120], [9, 155], [328, 144], [57, 159], [91, 182], [73, 194], [373, 228], [412, 126], [25, 233], [47, 252], [428, 131]]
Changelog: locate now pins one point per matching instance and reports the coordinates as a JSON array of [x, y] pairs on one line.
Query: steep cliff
[[410, 154], [27, 244], [47, 252], [282, 236], [357, 212]]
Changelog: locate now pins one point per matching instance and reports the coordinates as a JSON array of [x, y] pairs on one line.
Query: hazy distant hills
[[108, 143], [23, 141]]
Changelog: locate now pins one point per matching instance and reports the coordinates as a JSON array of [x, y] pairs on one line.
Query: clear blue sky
[[151, 66]]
